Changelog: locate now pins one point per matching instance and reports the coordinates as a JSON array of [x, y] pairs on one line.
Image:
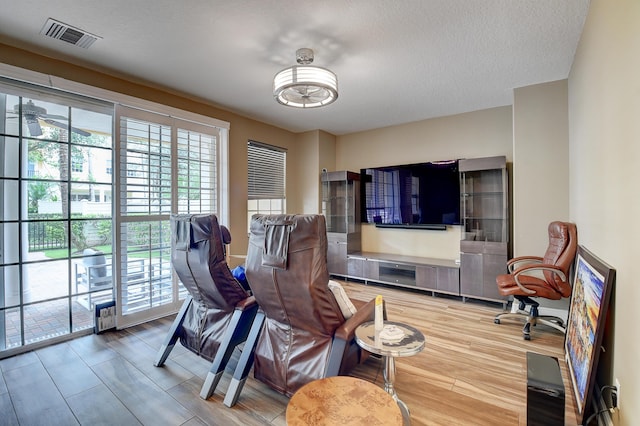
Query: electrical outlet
[[618, 393]]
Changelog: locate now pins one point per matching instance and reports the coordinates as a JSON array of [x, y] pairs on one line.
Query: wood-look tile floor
[[471, 372]]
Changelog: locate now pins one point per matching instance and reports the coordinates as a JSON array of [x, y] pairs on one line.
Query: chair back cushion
[[561, 252], [96, 259], [198, 259], [287, 271]]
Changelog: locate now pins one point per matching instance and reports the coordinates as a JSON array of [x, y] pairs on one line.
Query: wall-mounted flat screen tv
[[412, 195]]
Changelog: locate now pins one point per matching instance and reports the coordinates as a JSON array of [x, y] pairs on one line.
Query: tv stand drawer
[[397, 273]]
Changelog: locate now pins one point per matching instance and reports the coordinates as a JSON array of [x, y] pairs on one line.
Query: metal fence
[[46, 236], [47, 232]]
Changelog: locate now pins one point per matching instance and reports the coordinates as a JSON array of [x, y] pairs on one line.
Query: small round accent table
[[411, 343], [342, 400]]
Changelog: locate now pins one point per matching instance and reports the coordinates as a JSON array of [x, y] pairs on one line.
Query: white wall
[[604, 134]]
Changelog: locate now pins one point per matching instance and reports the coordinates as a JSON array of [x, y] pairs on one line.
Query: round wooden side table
[[343, 401]]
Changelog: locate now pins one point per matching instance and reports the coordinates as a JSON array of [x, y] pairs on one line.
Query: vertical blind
[[266, 165]]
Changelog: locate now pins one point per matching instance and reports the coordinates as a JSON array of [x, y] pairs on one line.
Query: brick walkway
[[46, 320]]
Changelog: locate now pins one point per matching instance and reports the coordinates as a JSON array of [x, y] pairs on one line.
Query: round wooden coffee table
[[342, 400]]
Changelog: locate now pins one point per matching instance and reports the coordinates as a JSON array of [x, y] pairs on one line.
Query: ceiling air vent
[[77, 37]]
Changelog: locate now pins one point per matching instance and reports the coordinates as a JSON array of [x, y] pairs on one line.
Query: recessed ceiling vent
[[77, 37]]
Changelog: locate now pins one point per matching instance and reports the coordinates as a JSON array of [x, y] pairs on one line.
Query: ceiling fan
[[32, 113]]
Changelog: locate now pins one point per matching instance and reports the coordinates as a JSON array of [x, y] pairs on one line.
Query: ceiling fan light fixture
[[305, 85]]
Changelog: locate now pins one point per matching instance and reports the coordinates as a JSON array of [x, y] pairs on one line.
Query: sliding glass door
[[55, 207]]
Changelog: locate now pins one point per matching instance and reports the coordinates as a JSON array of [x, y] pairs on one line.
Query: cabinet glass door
[[339, 206], [484, 213]]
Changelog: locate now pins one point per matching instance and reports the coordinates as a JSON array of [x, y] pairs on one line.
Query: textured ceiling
[[397, 61]]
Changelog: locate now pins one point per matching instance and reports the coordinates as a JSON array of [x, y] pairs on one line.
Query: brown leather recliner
[[546, 277], [299, 334], [218, 313]]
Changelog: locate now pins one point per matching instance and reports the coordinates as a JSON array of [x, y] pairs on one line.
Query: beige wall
[[316, 150], [309, 182], [604, 134], [242, 129], [540, 187], [470, 135], [540, 164]]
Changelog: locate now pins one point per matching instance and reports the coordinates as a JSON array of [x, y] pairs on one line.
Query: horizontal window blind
[[266, 165], [145, 167], [197, 180]]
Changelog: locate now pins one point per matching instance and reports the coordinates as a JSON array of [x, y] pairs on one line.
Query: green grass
[[64, 253]]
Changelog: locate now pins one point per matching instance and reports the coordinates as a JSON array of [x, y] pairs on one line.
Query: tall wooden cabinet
[[341, 208], [484, 211]]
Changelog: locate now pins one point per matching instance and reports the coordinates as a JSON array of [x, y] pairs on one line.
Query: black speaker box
[[545, 391]]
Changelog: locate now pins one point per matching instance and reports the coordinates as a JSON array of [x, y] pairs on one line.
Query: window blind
[[266, 168]]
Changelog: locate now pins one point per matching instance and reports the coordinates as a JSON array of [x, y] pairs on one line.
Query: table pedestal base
[[410, 343], [389, 374]]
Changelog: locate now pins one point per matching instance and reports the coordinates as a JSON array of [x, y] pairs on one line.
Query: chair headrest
[[226, 235], [182, 233], [276, 241]]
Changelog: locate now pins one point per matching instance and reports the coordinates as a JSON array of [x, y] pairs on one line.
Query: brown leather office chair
[[218, 313], [546, 277], [299, 334]]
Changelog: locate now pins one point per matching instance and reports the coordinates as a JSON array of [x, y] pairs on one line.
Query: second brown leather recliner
[[299, 334]]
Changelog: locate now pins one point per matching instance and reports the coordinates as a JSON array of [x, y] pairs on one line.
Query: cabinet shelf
[[474, 218], [484, 193]]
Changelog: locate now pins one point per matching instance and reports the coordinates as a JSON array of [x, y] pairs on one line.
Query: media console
[[429, 274], [481, 185]]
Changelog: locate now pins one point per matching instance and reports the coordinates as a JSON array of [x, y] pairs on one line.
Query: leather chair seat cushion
[[203, 330], [507, 287], [288, 358]]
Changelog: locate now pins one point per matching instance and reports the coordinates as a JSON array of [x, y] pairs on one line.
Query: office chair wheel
[[526, 331], [496, 320]]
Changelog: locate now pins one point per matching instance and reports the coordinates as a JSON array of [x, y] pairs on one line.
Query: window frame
[[266, 179]]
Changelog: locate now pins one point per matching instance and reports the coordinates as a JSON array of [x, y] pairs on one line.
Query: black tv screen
[[411, 194]]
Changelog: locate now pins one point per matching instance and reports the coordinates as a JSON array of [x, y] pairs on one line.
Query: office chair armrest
[[518, 262], [347, 330], [526, 270], [245, 304]]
